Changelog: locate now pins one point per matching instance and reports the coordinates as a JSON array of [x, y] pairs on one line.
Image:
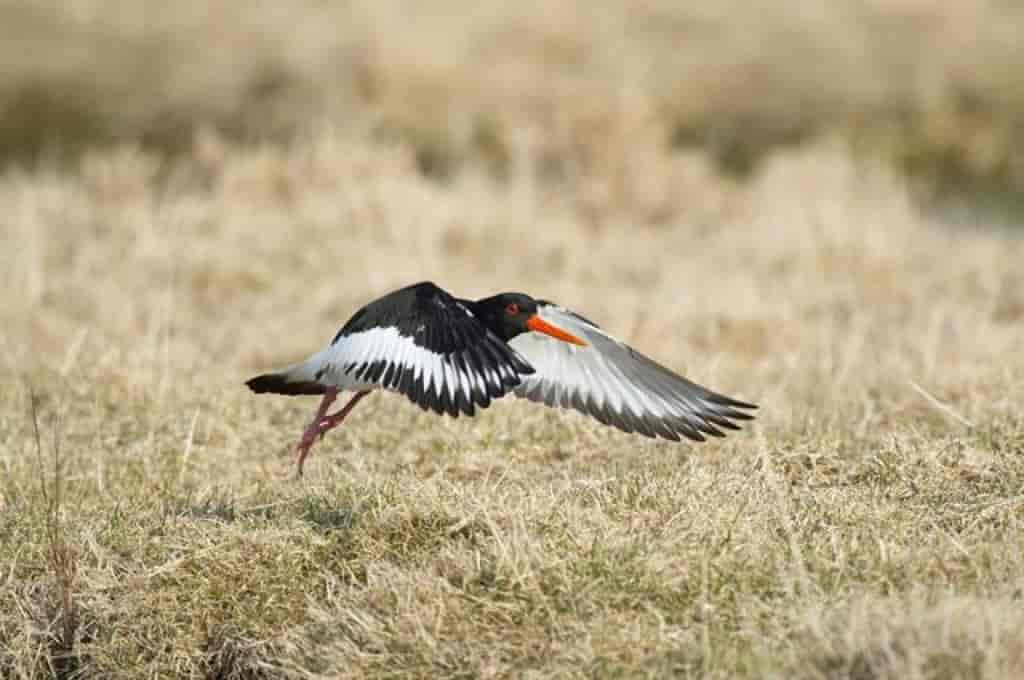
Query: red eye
[[511, 309]]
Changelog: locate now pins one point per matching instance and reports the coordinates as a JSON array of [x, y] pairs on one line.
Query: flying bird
[[453, 356]]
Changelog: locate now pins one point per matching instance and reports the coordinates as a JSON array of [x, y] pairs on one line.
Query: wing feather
[[617, 385], [423, 343]]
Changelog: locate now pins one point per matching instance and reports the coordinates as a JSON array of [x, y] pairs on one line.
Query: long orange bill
[[535, 323]]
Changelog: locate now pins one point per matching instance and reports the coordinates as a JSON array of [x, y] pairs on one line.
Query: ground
[[866, 525]]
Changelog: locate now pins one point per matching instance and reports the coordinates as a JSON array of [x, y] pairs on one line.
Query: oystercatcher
[[452, 355]]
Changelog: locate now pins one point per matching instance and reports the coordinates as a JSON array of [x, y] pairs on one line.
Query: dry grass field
[[867, 525]]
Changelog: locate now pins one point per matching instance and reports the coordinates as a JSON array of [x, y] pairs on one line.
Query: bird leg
[[322, 423], [313, 429], [330, 422]]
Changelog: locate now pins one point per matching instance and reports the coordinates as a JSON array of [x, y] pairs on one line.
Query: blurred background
[[571, 92]]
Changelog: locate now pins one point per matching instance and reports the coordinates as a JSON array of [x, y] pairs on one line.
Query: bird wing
[[611, 381], [424, 343]]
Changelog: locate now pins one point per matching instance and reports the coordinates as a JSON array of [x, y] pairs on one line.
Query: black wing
[[426, 344]]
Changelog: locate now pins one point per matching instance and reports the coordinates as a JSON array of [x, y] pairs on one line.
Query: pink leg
[[332, 421], [313, 429], [323, 423]]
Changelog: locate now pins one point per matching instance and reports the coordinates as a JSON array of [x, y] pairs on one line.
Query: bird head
[[511, 314]]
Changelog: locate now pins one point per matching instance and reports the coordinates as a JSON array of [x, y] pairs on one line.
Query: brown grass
[[61, 556], [867, 526]]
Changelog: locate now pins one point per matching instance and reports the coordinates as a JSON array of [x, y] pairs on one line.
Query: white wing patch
[[614, 383], [381, 357]]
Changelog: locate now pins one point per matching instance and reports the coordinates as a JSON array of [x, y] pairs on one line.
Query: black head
[[506, 313], [511, 314]]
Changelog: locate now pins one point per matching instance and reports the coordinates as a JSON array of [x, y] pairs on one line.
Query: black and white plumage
[[617, 385], [419, 341], [452, 356]]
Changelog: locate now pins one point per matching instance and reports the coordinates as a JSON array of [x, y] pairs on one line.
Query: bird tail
[[284, 382]]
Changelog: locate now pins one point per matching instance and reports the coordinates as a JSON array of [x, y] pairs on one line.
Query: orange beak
[[539, 325]]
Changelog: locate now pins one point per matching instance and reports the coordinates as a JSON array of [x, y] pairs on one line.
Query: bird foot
[[321, 424], [309, 437]]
